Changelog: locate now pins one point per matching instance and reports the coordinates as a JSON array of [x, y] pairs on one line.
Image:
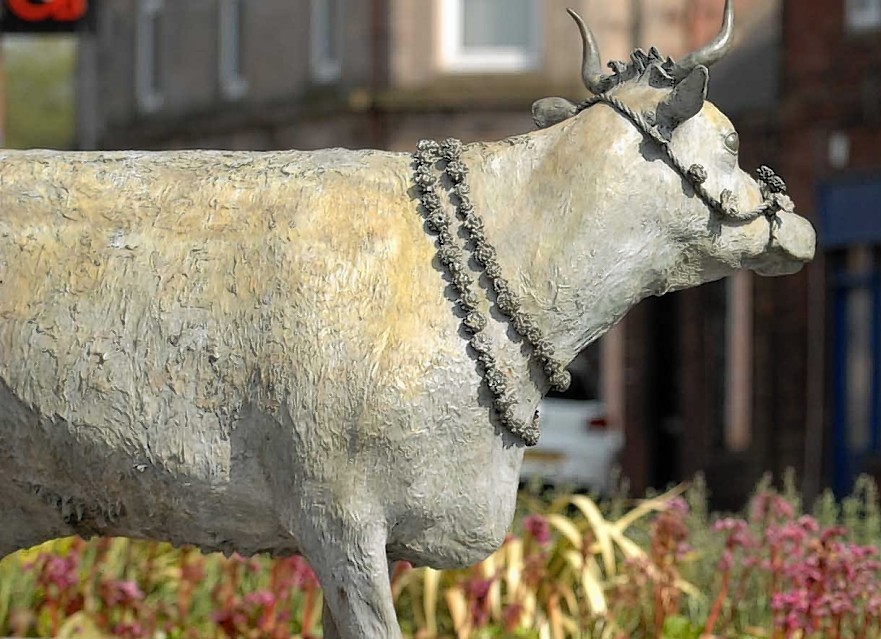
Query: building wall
[[832, 90], [825, 88], [697, 380], [276, 63], [415, 40], [390, 63]]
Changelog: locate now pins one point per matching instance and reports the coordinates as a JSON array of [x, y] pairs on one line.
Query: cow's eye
[[732, 142]]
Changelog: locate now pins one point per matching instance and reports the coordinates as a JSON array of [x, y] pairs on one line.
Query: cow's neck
[[568, 235]]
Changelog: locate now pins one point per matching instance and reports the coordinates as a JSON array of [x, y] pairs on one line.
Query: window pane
[[231, 27], [496, 23], [326, 23], [326, 35], [155, 31], [863, 14], [148, 54]]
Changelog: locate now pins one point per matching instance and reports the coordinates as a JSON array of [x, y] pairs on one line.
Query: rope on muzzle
[[771, 185]]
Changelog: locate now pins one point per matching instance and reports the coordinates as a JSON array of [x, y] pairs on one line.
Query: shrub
[[657, 568]]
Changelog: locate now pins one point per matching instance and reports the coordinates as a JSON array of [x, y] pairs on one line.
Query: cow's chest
[[449, 498], [454, 515]]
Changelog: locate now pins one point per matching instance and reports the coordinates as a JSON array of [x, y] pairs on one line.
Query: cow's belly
[[457, 524], [446, 488], [60, 478]]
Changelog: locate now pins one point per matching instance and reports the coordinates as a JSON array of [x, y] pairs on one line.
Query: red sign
[[60, 10], [46, 15]]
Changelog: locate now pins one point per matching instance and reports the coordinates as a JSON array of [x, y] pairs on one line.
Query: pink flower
[[302, 575], [124, 593], [771, 506], [131, 630], [511, 616], [808, 524], [873, 606], [738, 533], [826, 581], [231, 621], [832, 533], [677, 506], [477, 591], [60, 572], [261, 598], [726, 560], [538, 527], [479, 588]]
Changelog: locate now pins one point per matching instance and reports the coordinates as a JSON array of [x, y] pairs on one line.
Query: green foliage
[[826, 509], [39, 84], [678, 627], [656, 568]]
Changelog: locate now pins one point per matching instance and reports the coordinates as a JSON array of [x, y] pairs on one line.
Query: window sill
[[233, 88], [491, 62]]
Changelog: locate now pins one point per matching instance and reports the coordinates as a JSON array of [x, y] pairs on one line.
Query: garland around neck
[[457, 267]]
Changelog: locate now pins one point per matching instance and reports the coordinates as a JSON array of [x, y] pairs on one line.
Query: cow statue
[[340, 353]]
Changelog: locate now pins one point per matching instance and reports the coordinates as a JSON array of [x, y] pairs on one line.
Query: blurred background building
[[735, 378]]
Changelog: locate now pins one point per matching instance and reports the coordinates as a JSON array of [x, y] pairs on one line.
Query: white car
[[577, 448]]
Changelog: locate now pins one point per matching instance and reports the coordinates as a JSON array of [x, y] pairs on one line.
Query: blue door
[[856, 372], [850, 235]]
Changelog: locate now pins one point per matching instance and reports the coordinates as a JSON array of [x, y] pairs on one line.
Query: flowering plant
[[656, 568]]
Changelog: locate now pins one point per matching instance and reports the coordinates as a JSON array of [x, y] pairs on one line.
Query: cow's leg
[[328, 626], [351, 565]]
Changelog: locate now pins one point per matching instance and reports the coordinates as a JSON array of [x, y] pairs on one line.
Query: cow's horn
[[591, 64], [715, 50]]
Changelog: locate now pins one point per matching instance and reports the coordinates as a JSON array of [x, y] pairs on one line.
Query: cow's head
[[725, 219]]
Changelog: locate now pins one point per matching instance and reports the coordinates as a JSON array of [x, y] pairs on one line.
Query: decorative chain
[[772, 186], [428, 154]]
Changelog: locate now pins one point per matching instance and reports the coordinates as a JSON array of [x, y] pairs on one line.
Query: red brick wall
[[832, 83]]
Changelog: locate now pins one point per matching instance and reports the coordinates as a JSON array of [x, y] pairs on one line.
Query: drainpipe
[[815, 413], [636, 23]]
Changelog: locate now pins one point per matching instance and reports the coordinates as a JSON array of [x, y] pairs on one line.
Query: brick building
[[280, 74], [830, 133], [805, 94], [698, 380]]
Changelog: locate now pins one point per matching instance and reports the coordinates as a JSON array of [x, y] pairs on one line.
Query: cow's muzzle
[[791, 244]]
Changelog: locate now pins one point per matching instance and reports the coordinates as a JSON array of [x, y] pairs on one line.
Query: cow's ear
[[550, 111], [684, 101]]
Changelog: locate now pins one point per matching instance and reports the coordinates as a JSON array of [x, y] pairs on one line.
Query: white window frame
[[326, 68], [233, 84], [147, 76], [862, 15], [456, 57]]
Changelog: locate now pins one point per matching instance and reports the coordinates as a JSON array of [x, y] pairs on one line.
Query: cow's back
[[197, 339], [152, 302]]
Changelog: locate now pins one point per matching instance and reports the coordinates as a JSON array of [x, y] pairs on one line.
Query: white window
[[490, 35], [861, 15], [148, 60], [327, 40], [232, 81]]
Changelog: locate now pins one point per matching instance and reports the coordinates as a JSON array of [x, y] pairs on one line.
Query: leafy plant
[[656, 568]]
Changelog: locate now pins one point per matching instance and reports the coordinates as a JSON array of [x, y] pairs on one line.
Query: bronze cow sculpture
[[295, 352]]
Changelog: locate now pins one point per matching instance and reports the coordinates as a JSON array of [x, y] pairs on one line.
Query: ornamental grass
[[661, 567]]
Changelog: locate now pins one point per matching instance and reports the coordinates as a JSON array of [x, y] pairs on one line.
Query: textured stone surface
[[258, 352]]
